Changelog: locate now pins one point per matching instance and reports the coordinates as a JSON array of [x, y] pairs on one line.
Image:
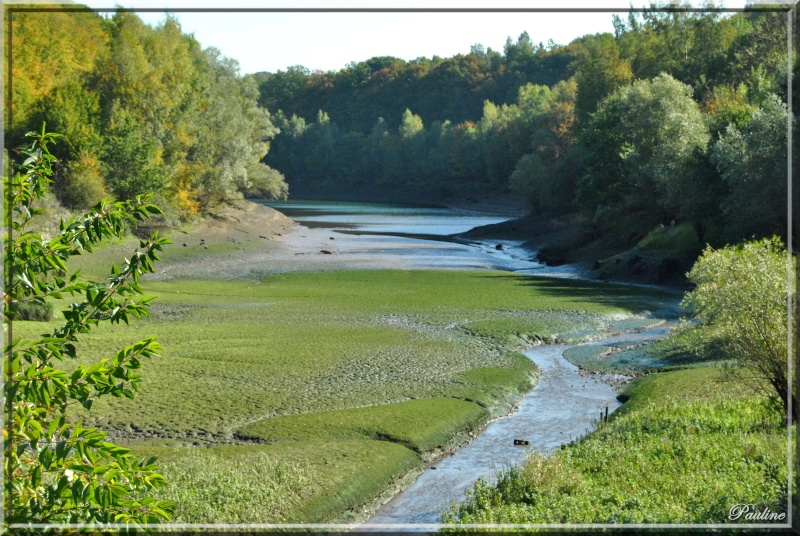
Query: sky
[[272, 41], [328, 41]]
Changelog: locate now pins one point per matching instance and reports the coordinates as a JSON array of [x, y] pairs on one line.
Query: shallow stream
[[564, 405]]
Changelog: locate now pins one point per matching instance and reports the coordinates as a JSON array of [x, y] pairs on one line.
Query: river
[[564, 405], [416, 237]]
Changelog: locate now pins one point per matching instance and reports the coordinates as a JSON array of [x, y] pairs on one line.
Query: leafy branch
[[56, 470]]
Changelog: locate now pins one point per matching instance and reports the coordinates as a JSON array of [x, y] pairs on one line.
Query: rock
[[326, 252], [499, 247]]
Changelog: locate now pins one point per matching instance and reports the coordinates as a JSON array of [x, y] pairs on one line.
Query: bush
[[84, 185], [742, 306]]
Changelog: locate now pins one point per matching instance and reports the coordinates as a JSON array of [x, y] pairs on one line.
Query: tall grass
[[211, 488]]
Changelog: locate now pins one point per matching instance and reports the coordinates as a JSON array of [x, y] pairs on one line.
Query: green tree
[[743, 303], [547, 175], [410, 125], [759, 56], [133, 159], [643, 143], [57, 471], [600, 72], [233, 134], [692, 47], [753, 163]]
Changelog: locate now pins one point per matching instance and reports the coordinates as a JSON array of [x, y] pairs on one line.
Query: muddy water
[[563, 406]]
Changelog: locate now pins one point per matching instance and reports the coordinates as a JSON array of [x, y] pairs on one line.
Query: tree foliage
[[643, 144], [696, 138], [752, 160], [144, 109], [57, 471], [743, 303]]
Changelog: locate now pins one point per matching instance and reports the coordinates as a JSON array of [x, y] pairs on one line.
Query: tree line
[[142, 109], [676, 117]]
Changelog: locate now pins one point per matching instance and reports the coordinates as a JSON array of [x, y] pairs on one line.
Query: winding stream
[[564, 405]]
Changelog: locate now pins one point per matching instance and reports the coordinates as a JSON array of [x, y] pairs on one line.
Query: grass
[[287, 482], [239, 351], [351, 374], [496, 388], [703, 384], [421, 425], [208, 486], [673, 240], [685, 448]]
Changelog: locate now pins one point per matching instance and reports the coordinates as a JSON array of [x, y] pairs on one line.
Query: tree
[[600, 72], [547, 175], [753, 163], [234, 134], [643, 143], [742, 306], [56, 471]]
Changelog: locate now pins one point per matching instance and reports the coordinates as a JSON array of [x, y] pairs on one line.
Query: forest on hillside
[[677, 118]]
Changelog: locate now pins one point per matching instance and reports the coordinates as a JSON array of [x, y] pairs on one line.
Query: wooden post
[[606, 417]]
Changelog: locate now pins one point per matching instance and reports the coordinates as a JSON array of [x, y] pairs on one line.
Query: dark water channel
[[563, 406]]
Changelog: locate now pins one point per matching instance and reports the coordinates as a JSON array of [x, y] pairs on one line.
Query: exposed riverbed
[[564, 405], [352, 236], [373, 235]]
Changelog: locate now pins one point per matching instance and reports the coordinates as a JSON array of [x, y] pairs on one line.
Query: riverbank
[[685, 448], [245, 239], [562, 407], [660, 258]]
